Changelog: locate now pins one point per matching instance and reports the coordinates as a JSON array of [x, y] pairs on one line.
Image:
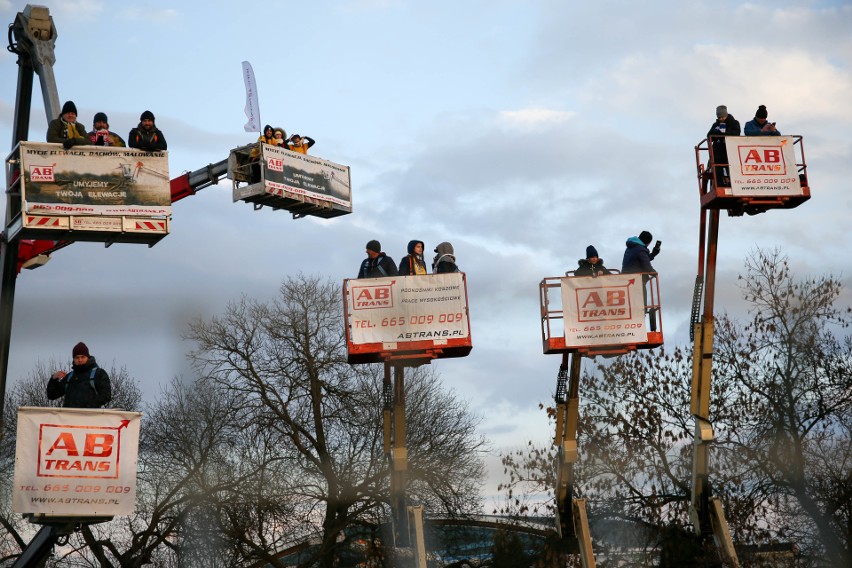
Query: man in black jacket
[[725, 125], [147, 136], [86, 386], [377, 264]]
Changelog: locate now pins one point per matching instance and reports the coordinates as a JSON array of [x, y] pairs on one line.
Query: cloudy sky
[[519, 131]]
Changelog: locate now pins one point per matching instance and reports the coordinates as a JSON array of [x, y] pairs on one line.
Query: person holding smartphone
[[759, 125], [637, 258]]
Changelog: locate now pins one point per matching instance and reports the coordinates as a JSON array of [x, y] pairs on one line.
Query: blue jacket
[[637, 257], [752, 128]]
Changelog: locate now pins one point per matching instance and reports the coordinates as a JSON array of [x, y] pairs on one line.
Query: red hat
[[80, 349]]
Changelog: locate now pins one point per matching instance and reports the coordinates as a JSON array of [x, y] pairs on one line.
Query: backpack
[[91, 379]]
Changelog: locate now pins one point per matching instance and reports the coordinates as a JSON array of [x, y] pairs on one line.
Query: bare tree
[[286, 359], [781, 411], [788, 378]]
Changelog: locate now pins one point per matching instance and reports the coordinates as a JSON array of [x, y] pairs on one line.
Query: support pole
[[705, 510], [584, 539], [702, 368], [399, 467]]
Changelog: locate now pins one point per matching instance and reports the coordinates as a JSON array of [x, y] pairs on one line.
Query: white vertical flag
[[252, 106]]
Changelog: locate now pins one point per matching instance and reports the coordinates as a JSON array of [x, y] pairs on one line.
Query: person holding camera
[[300, 144], [637, 258], [101, 135], [759, 126]]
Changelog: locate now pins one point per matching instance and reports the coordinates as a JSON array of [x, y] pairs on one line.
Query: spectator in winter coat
[[280, 136], [414, 262], [758, 126], [637, 257], [592, 265], [377, 264], [147, 136], [725, 125], [86, 386], [65, 129], [445, 260], [101, 135]]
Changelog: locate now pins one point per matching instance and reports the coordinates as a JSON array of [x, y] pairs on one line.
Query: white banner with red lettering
[[607, 310], [408, 308], [75, 461], [762, 165]]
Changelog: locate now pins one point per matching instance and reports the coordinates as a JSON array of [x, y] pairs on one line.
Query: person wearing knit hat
[[592, 265], [377, 264], [147, 136], [445, 260], [85, 386], [758, 126], [725, 125], [637, 257], [100, 134], [65, 129]]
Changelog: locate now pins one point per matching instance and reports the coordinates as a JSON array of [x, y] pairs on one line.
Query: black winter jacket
[[378, 267], [586, 268], [77, 389], [152, 141]]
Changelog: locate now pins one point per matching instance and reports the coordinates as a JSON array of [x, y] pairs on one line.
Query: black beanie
[[80, 349], [147, 115], [374, 246], [591, 251], [100, 117], [761, 112], [69, 106], [646, 237]]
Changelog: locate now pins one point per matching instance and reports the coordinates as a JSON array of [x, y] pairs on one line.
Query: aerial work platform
[[604, 315], [282, 179], [87, 193], [751, 174], [407, 318]]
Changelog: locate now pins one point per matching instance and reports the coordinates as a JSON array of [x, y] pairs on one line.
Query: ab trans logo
[[611, 303], [79, 451], [372, 297], [762, 160], [41, 173]]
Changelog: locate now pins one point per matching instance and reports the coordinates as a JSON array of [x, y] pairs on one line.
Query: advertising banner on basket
[[608, 310], [762, 165], [79, 462], [95, 180], [408, 308], [304, 176]]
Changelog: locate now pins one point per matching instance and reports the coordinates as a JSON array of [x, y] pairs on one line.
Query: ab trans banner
[[94, 180], [763, 166], [300, 182], [603, 311], [76, 462], [408, 316]]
